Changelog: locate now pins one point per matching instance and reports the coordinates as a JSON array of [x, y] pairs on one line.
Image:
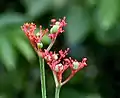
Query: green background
[[93, 31]]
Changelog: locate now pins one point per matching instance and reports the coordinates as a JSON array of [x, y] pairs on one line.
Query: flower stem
[[58, 86], [67, 79], [42, 77], [51, 44], [57, 91], [55, 78]]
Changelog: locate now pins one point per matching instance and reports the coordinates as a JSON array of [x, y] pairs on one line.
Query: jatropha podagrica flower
[[35, 38], [58, 62]]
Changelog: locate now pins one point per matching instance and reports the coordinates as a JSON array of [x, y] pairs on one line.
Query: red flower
[[58, 62], [57, 27], [29, 29]]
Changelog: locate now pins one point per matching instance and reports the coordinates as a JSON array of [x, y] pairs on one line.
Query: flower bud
[[54, 29], [57, 23], [55, 56], [48, 58], [39, 45], [38, 34], [53, 20], [58, 67], [75, 65]]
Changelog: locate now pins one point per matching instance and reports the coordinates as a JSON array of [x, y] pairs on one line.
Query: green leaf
[[11, 19], [78, 24], [37, 7], [25, 48], [7, 53], [107, 13]]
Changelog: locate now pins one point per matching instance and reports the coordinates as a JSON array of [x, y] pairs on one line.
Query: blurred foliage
[[93, 31]]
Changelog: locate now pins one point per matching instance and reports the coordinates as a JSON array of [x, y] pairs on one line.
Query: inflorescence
[[58, 62]]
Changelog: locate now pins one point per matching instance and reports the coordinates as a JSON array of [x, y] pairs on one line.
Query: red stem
[[72, 74]]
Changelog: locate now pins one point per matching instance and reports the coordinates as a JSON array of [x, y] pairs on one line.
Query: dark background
[[93, 31]]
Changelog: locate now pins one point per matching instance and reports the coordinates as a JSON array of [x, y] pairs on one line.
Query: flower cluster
[[35, 39], [58, 62], [57, 27]]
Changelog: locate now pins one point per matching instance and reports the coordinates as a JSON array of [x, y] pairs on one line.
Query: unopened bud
[[39, 45], [53, 20], [55, 56], [38, 34], [59, 67], [54, 29], [48, 58], [57, 23], [75, 65]]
